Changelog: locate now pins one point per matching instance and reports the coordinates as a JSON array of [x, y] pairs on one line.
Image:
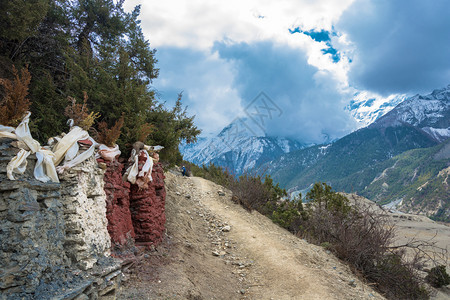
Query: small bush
[[362, 237], [438, 277], [109, 136], [397, 278], [250, 190], [80, 114], [289, 215], [15, 103]]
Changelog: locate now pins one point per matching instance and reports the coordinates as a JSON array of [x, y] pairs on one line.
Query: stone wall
[[54, 236], [83, 200], [147, 210], [120, 226], [136, 215], [54, 241], [31, 230]]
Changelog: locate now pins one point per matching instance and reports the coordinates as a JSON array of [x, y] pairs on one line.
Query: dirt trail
[[286, 267], [217, 250]]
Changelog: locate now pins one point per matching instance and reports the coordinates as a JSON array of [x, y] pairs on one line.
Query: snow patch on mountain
[[241, 146], [429, 111], [366, 107], [439, 134]]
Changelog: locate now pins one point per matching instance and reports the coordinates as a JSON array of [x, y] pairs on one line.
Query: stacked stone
[[120, 226], [148, 208], [31, 231], [83, 198]]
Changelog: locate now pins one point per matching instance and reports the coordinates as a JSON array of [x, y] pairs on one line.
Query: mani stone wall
[[120, 226], [83, 200], [147, 206], [136, 215], [54, 240], [32, 231]]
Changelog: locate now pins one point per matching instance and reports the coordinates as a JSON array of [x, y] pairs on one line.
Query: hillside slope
[[253, 258], [417, 179], [353, 162]]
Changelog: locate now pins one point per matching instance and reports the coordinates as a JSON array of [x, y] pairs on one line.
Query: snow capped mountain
[[367, 107], [358, 159], [431, 113], [239, 147], [242, 145]]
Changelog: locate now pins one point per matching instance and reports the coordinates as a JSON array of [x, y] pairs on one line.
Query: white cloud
[[206, 82], [223, 53], [198, 24]]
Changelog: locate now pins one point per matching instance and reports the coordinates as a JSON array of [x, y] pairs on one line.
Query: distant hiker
[[183, 170]]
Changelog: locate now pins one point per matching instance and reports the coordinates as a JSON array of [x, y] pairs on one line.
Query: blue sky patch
[[318, 36], [335, 56], [321, 36]]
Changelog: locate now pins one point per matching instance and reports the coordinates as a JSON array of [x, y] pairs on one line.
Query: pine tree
[[93, 47]]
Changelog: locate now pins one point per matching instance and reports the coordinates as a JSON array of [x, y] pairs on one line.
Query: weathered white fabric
[[108, 153], [147, 167], [18, 164], [153, 148], [45, 169], [133, 172], [61, 149], [8, 132], [78, 158], [23, 134]]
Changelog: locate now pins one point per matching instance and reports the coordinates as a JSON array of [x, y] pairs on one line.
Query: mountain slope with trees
[[418, 179], [353, 162]]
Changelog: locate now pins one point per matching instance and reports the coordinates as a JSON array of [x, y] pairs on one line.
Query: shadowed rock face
[[53, 235]]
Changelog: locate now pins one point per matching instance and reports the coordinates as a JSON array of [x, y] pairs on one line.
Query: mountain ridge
[[353, 162], [239, 147], [235, 146]]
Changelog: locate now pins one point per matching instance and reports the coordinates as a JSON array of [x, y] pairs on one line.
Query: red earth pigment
[[120, 225], [147, 207]]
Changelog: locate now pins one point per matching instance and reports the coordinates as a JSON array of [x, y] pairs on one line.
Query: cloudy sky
[[308, 56]]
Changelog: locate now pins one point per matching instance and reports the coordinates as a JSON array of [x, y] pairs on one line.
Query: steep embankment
[[214, 249]]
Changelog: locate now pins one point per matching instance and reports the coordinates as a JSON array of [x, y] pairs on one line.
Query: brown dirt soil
[[214, 249]]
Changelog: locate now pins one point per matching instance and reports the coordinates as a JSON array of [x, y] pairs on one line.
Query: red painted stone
[[147, 207], [86, 142], [134, 212], [120, 225]]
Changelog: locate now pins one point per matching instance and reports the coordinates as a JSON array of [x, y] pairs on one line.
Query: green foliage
[[170, 128], [21, 19], [323, 197], [438, 276], [90, 46], [289, 214]]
